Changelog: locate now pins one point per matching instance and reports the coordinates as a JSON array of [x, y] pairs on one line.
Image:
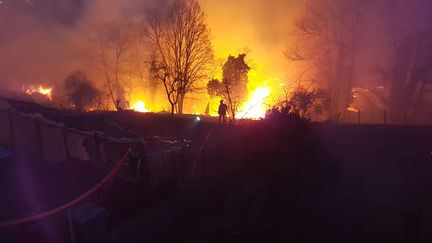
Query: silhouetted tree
[[181, 49], [409, 73], [113, 45], [327, 45], [234, 81], [80, 91], [301, 103], [233, 87], [214, 88]]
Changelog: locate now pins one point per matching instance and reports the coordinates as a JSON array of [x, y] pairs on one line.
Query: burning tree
[[181, 49], [80, 91], [233, 87], [234, 81]]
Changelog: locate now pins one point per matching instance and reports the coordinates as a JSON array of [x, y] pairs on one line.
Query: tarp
[[114, 148], [5, 129], [75, 144], [52, 141], [26, 138], [95, 147]]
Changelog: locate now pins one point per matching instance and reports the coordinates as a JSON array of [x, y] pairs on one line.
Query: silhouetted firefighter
[[222, 111]]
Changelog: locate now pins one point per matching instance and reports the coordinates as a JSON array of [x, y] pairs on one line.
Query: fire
[[352, 109], [41, 90], [255, 107], [139, 106]]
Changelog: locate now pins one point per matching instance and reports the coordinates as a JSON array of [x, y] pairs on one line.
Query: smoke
[[261, 27], [38, 41], [44, 40]]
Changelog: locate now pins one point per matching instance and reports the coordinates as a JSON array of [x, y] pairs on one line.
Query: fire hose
[[107, 178]]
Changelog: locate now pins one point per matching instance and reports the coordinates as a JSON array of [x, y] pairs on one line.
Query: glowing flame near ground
[[139, 106], [41, 90], [255, 107], [352, 109]]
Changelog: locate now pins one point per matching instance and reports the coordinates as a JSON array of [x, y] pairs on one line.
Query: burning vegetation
[[275, 65], [184, 56], [41, 90], [139, 106]]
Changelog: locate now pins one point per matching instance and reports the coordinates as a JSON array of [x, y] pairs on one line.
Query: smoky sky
[[44, 40]]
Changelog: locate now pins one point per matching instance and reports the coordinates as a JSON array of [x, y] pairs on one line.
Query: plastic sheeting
[[95, 147], [115, 148], [34, 137], [52, 142], [26, 138], [5, 129], [75, 144]]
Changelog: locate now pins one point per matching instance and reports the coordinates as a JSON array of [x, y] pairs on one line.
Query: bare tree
[[114, 41], [139, 53], [327, 43], [181, 49], [409, 74]]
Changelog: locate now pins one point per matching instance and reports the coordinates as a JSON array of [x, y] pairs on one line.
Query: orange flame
[[255, 107], [40, 90], [352, 109], [139, 106]]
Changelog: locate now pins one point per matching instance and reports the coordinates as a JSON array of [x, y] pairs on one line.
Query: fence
[[33, 137], [382, 117]]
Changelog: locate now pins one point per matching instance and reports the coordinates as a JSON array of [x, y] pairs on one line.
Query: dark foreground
[[263, 182]]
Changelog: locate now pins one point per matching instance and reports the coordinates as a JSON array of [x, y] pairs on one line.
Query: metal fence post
[[358, 117], [385, 117]]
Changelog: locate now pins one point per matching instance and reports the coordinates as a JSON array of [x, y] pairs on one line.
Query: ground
[[260, 183]]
